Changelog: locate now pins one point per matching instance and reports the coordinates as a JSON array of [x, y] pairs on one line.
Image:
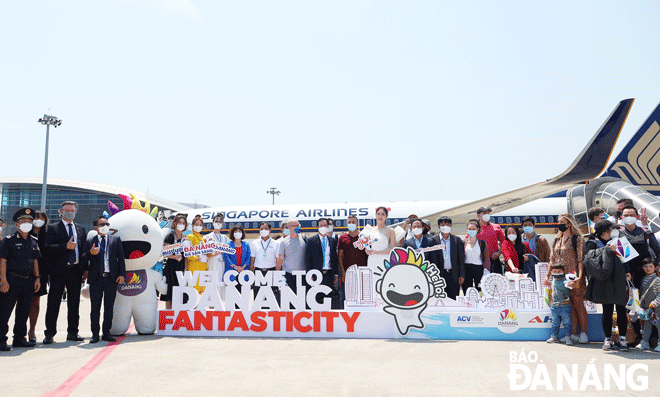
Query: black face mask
[[618, 214], [562, 227]]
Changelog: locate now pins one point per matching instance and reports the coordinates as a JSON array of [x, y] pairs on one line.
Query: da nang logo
[[406, 284], [508, 321], [134, 283]]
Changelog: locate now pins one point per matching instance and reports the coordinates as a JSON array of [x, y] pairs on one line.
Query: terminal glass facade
[[91, 204]]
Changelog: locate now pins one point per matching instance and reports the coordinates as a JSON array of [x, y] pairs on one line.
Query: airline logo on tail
[[639, 161]]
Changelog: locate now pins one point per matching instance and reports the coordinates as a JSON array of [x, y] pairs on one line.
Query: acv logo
[[463, 318]]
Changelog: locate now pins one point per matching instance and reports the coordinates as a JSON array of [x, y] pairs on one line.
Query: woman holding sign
[[196, 263], [174, 263]]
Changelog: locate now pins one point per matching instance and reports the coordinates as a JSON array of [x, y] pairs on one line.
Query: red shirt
[[491, 234], [352, 255], [239, 256], [509, 252]]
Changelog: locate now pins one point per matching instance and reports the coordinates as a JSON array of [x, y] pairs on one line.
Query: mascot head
[[140, 234]]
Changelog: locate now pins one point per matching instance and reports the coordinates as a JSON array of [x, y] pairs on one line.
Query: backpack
[[594, 264]]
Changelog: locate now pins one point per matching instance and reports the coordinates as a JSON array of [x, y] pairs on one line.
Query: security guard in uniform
[[19, 278]]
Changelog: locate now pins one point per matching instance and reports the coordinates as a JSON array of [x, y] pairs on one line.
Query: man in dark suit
[[103, 260], [451, 258], [64, 247], [418, 240], [321, 254]]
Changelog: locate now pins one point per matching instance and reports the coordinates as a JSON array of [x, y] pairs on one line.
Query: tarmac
[[176, 366]]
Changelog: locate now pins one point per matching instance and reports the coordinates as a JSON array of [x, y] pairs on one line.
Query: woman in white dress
[[385, 241]]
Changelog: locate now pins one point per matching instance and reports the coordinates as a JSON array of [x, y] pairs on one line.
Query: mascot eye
[[145, 229], [391, 285], [416, 287]]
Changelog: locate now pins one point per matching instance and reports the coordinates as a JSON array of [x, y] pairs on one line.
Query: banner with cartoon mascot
[[404, 298]]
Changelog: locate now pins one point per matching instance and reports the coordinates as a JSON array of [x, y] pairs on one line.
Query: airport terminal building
[[92, 199]]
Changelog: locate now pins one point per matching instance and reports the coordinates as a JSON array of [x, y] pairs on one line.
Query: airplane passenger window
[[231, 225], [516, 219], [500, 219], [508, 219], [314, 223], [387, 222], [551, 219], [369, 223], [542, 219], [535, 219]]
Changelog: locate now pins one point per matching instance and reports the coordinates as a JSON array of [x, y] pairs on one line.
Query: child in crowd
[[560, 306], [650, 299]]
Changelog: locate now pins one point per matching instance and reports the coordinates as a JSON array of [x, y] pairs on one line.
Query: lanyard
[[267, 245]]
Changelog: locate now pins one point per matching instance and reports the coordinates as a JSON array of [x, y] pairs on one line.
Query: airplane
[[585, 183]]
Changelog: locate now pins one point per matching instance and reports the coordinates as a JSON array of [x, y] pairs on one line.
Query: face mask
[[472, 233], [286, 232], [264, 232], [562, 227], [331, 228], [351, 227], [37, 223], [629, 220], [25, 227], [558, 275], [238, 235], [323, 230], [104, 229], [198, 228], [485, 217], [298, 230], [417, 231], [512, 237], [528, 229], [217, 226], [69, 215], [180, 227], [445, 229], [614, 233]]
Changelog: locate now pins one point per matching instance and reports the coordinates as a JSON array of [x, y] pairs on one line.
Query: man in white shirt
[[263, 256]]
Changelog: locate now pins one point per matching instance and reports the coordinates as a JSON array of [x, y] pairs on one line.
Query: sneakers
[[583, 338], [575, 338], [623, 345], [567, 339], [644, 346], [657, 349], [608, 345], [552, 339]]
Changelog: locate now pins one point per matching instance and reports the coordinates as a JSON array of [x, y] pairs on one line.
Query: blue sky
[[342, 101]]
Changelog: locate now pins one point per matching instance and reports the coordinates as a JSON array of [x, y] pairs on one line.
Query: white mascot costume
[[142, 240]]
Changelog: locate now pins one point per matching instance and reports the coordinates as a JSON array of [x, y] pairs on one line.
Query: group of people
[[62, 253], [44, 258]]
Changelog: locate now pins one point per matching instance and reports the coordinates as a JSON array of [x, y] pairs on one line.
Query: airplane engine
[[604, 193]]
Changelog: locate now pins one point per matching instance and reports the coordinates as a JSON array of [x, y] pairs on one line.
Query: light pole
[[47, 120], [273, 191]]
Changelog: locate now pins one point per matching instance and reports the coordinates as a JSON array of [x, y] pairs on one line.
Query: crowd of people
[[61, 256]]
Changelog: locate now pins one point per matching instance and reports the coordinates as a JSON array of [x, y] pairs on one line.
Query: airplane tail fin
[[639, 161]]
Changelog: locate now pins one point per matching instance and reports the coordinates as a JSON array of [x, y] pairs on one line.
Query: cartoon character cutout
[[142, 241], [406, 286]]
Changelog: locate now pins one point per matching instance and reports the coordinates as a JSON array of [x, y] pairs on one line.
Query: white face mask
[[512, 237], [323, 230], [180, 227], [417, 231], [217, 226], [264, 232], [238, 235], [37, 223], [614, 233], [445, 229], [485, 217], [25, 227], [104, 229], [330, 228], [629, 220], [198, 228]]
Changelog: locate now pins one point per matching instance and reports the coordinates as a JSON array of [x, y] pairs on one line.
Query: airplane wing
[[589, 164]]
